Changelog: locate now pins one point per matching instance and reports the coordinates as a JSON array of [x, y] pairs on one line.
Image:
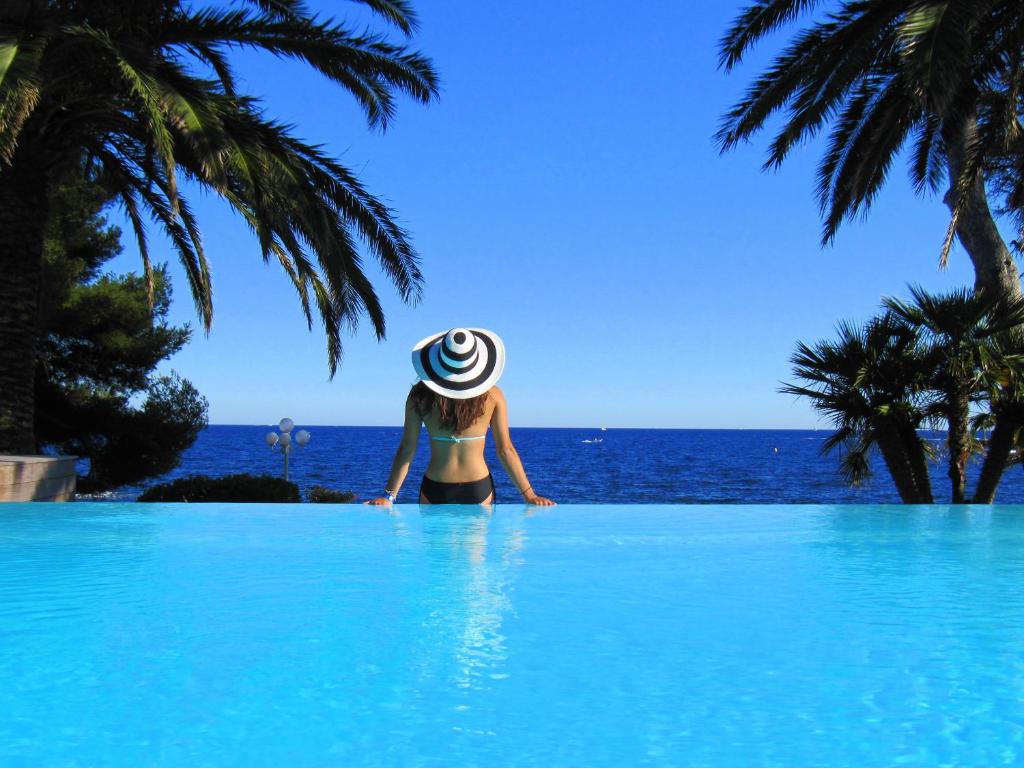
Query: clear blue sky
[[565, 192]]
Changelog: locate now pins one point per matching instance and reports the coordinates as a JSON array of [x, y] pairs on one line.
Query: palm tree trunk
[[957, 415], [23, 215], [898, 463], [918, 461], [999, 446], [994, 267]]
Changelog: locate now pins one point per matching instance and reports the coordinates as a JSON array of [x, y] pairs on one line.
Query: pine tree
[[98, 394]]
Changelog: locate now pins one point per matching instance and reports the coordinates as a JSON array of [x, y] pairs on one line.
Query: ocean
[[626, 466]]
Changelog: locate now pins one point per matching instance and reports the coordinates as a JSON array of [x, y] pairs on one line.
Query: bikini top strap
[[454, 439]]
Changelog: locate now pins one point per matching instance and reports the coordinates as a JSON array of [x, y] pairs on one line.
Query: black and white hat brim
[[460, 363]]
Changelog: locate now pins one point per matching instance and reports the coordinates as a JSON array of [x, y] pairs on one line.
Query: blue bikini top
[[454, 439]]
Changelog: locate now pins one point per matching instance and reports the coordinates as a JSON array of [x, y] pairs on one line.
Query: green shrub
[[319, 494], [242, 487]]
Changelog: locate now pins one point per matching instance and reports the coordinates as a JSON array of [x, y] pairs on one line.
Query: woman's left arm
[[404, 455], [507, 452]]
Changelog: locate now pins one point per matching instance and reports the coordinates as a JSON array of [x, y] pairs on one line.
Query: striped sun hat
[[460, 363]]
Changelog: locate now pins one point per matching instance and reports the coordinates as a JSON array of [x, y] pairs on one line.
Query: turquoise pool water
[[255, 635]]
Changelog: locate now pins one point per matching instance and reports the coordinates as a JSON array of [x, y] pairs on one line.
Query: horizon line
[[527, 426]]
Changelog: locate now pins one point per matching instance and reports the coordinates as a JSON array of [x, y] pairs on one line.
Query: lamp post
[[284, 440]]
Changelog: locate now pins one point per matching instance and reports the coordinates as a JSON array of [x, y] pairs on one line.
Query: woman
[[456, 398]]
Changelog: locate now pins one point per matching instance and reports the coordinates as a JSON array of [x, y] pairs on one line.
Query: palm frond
[[936, 47], [148, 93], [837, 439], [927, 168], [368, 66], [831, 71], [870, 377], [146, 90], [281, 9], [755, 22], [20, 88], [398, 12], [121, 174], [769, 93], [942, 75], [213, 55], [855, 464], [129, 202], [865, 155]]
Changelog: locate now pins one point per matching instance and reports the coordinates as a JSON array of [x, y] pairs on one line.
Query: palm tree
[[1004, 417], [940, 77], [1006, 420], [871, 384], [143, 93], [964, 334]]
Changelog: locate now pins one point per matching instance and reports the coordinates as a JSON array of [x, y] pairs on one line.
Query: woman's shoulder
[[495, 394]]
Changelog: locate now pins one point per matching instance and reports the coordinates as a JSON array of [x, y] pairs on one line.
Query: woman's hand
[[538, 501], [382, 501]]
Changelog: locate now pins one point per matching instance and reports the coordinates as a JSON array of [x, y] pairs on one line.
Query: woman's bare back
[[458, 462]]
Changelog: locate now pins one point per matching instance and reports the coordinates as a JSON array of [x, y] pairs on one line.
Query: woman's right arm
[[507, 452], [404, 455]]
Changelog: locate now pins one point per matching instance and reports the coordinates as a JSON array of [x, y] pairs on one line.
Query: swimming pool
[[577, 635]]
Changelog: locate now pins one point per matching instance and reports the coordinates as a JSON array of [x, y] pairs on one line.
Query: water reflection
[[469, 556]]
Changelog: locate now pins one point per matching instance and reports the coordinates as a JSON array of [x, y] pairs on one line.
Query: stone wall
[[37, 478]]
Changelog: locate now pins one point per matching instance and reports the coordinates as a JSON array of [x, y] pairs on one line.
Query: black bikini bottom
[[475, 492]]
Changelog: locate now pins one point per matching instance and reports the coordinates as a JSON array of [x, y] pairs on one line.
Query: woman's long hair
[[454, 415]]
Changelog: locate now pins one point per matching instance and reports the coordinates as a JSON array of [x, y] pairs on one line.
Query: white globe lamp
[[282, 440]]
